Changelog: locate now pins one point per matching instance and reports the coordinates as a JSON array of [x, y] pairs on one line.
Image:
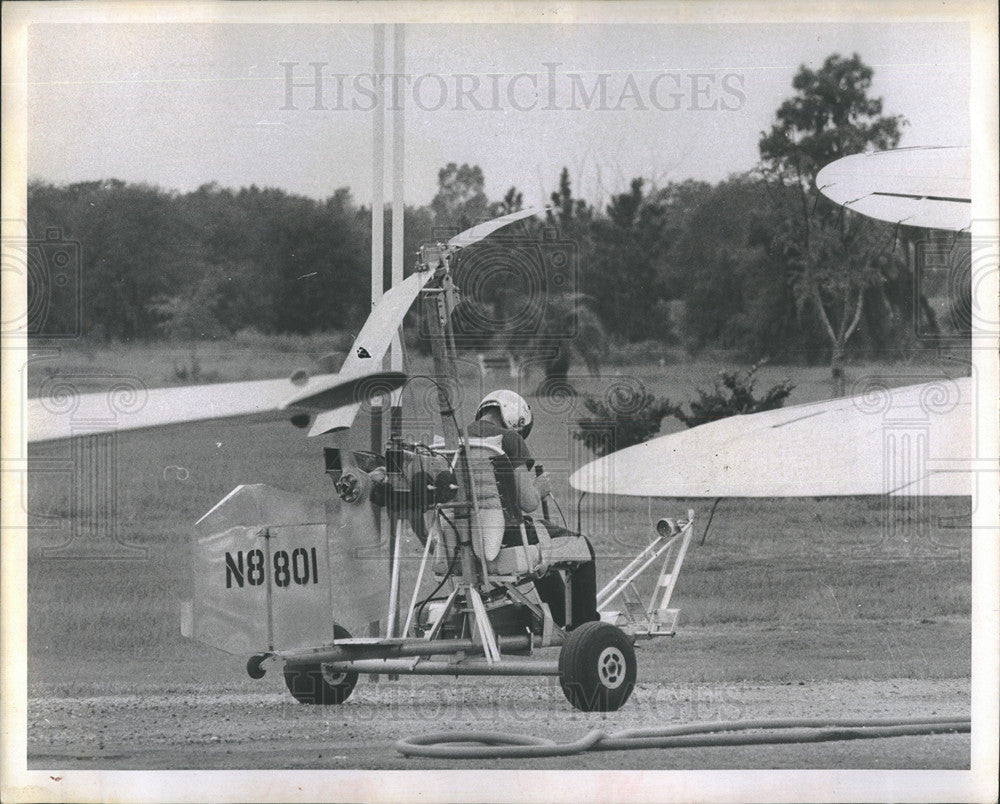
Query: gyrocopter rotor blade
[[65, 414], [928, 187], [372, 343], [908, 441], [483, 230], [341, 391], [387, 316]]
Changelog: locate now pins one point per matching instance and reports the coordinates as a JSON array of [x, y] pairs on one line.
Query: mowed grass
[[825, 580], [249, 355]]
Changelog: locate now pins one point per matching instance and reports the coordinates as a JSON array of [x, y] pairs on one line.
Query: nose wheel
[[597, 667]]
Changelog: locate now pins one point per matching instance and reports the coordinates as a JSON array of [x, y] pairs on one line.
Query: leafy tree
[[190, 317], [565, 313], [736, 295], [629, 274], [570, 213], [278, 262], [461, 200], [508, 313], [291, 264], [622, 273], [830, 116], [135, 247], [513, 201], [834, 257]]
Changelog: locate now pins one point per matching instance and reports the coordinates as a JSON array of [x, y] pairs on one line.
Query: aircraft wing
[[928, 187], [908, 441]]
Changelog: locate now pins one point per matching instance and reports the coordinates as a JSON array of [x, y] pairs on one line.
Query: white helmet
[[515, 413]]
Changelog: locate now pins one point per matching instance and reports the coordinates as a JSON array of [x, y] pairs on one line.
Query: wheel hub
[[611, 668], [332, 678]]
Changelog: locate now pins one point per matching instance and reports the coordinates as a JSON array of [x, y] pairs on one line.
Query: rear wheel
[[597, 667], [316, 683]]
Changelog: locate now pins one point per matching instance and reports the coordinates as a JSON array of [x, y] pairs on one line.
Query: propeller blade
[[340, 392], [911, 441], [482, 230], [928, 187]]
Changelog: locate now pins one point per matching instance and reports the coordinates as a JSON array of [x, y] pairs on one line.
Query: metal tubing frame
[[637, 565], [395, 543], [467, 667], [440, 302], [268, 602], [484, 628], [653, 549], [436, 628], [634, 569], [402, 648], [667, 592], [431, 539]]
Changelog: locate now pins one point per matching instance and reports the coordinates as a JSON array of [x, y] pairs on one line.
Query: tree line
[[758, 263]]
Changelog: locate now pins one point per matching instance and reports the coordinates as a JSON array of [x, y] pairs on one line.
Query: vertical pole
[[398, 207], [378, 165], [396, 277], [392, 615], [266, 534], [398, 144], [378, 203], [378, 230], [439, 303]]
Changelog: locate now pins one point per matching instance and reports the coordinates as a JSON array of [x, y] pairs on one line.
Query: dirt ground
[[211, 716], [191, 728]]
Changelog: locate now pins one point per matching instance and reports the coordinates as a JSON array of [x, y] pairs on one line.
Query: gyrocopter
[[316, 585]]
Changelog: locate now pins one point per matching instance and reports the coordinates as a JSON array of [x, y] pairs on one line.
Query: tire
[[315, 684], [597, 667]]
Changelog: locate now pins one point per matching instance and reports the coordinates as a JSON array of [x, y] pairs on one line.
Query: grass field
[[781, 589]]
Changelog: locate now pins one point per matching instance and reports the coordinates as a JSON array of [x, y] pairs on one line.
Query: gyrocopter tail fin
[[274, 570]]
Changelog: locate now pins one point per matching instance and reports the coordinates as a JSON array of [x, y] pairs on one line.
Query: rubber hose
[[495, 745]]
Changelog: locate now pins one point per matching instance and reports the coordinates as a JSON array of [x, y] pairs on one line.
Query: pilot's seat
[[513, 545]]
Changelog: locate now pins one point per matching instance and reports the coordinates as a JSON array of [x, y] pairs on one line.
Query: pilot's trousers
[[583, 586]]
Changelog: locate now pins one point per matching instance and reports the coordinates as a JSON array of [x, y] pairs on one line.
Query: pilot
[[505, 417]]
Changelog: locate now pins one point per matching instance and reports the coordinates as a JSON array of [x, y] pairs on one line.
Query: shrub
[[628, 414], [732, 395]]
